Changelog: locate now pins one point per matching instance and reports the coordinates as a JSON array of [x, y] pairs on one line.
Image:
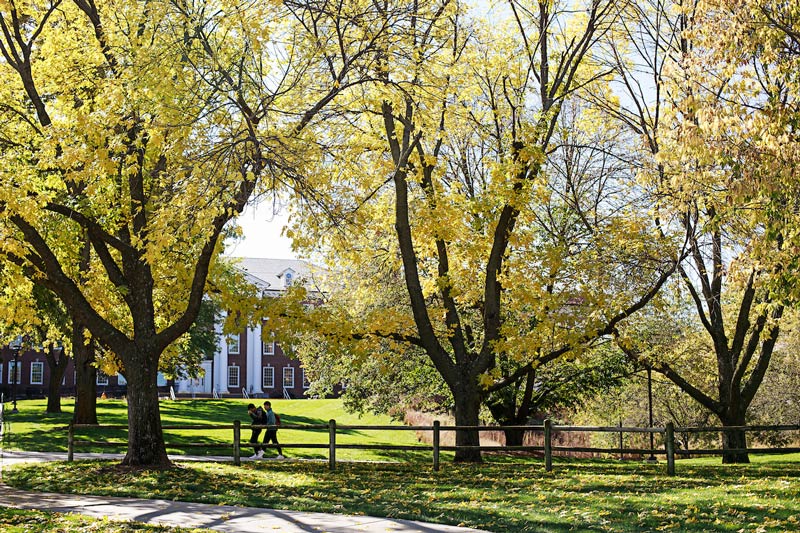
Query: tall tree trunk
[[57, 362], [145, 436], [85, 377], [734, 439], [467, 398]]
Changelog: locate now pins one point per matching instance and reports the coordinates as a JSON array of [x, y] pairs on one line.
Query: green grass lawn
[[31, 429], [23, 521], [507, 493], [576, 496]]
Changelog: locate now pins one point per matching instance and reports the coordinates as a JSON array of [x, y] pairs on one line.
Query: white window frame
[[234, 345], [37, 367], [15, 374], [233, 371], [268, 371], [1, 374], [306, 383], [288, 383], [268, 348], [101, 379]]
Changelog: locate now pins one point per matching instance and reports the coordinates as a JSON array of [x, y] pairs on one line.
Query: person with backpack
[[272, 420], [257, 419]]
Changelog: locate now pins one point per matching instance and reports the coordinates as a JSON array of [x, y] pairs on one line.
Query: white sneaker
[[254, 456], [260, 454], [280, 457]]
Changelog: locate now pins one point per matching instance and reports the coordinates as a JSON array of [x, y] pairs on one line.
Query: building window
[[288, 377], [288, 278], [306, 383], [1, 374], [268, 348], [233, 376], [233, 345], [267, 377], [15, 372], [37, 373], [102, 378]]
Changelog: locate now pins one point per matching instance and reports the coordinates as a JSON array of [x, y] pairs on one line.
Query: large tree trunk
[[57, 361], [145, 436], [734, 439], [468, 403], [85, 377]]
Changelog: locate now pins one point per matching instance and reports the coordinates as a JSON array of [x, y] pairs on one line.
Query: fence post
[[237, 439], [669, 444], [548, 446], [436, 436], [71, 442], [332, 444]]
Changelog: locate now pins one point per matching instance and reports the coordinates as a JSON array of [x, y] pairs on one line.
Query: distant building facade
[[244, 364], [33, 377]]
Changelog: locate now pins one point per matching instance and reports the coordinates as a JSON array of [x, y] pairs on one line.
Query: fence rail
[[547, 448]]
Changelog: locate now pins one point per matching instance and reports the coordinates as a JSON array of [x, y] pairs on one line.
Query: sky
[[262, 234]]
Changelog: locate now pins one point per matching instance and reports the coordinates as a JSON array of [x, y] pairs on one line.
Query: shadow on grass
[[586, 496]]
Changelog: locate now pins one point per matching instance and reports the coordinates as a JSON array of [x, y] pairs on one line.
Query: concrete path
[[216, 517]]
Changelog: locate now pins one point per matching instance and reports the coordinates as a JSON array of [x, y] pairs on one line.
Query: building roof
[[271, 274]]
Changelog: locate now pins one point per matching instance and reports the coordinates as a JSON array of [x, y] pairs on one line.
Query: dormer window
[[288, 279]]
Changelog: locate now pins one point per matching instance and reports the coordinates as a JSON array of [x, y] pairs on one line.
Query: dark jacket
[[257, 417]]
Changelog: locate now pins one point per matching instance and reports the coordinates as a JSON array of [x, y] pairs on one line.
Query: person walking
[[257, 418], [272, 421]]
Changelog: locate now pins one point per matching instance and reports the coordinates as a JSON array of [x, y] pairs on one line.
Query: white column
[[254, 360], [206, 388], [221, 359]]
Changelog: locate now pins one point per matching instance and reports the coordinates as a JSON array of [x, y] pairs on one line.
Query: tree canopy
[[142, 129]]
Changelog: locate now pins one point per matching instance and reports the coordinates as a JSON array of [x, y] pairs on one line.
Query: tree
[[698, 106], [143, 128], [733, 158], [441, 177]]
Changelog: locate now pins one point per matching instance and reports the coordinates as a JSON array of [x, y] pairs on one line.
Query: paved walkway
[[216, 517]]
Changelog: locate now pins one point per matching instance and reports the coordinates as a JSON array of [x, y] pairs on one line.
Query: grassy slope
[[31, 429]]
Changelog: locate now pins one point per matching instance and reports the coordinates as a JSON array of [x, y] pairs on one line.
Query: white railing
[[286, 394], [172, 394], [244, 394]]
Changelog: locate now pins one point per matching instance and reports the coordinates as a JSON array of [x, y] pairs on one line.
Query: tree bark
[[57, 362], [145, 436], [734, 439], [467, 398], [85, 378]]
